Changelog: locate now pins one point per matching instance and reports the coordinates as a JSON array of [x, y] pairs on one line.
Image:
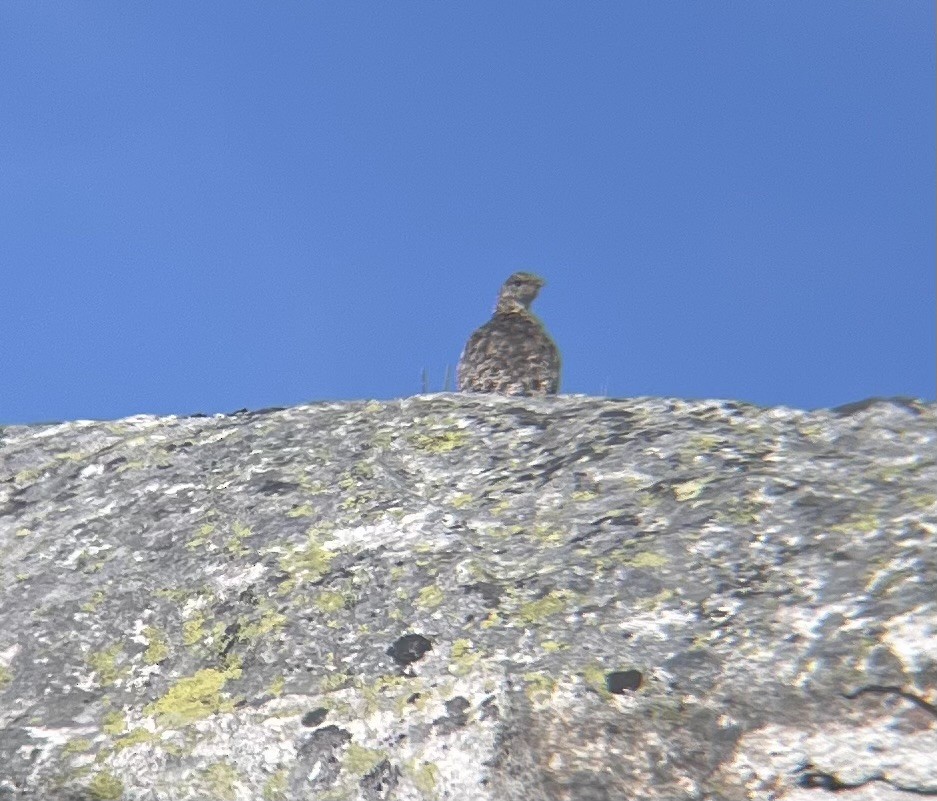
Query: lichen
[[464, 658], [114, 723], [221, 779], [193, 629], [329, 601], [235, 544], [192, 698], [689, 490], [93, 602], [275, 788], [78, 745], [441, 442], [425, 777], [135, 737], [646, 559], [538, 687], [270, 619], [104, 663], [157, 648], [360, 760], [105, 787], [306, 563], [430, 597], [553, 603]]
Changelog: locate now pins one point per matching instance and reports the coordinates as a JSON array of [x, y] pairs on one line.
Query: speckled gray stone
[[475, 598]]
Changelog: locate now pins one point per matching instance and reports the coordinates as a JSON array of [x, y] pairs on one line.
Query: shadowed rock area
[[473, 598]]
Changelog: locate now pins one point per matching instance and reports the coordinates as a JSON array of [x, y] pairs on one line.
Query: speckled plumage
[[512, 353]]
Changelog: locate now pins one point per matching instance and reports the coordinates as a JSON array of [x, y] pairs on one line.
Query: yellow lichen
[[306, 563], [462, 500], [192, 698], [440, 442], [78, 745], [430, 597], [105, 787], [329, 601], [269, 620], [204, 533], [221, 780], [305, 510], [114, 723], [646, 559], [275, 788], [104, 663], [360, 760], [135, 737], [157, 645], [425, 777], [537, 686], [689, 490], [235, 543], [193, 629], [553, 603], [96, 599]]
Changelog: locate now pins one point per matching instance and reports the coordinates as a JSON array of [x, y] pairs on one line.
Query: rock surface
[[472, 598]]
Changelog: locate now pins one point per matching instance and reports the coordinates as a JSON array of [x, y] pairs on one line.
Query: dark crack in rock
[[472, 597]]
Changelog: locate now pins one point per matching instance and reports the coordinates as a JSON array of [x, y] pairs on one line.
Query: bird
[[511, 354]]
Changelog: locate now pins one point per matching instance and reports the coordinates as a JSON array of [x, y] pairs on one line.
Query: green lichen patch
[[464, 658], [135, 737], [157, 645], [275, 788], [538, 687], [360, 760], [303, 510], [425, 777], [203, 536], [105, 787], [553, 603], [440, 442], [220, 779], [270, 620], [105, 664], [78, 746], [462, 500], [193, 629], [93, 602], [114, 723], [306, 563], [646, 559], [192, 698], [235, 544], [689, 490], [430, 597], [6, 676]]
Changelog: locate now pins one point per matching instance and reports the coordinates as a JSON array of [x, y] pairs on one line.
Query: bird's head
[[519, 291]]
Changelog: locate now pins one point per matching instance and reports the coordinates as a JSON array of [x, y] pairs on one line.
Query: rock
[[475, 598]]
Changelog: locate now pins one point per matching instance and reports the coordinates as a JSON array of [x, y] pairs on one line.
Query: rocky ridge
[[473, 598]]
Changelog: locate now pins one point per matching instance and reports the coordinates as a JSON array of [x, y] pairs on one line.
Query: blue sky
[[208, 206]]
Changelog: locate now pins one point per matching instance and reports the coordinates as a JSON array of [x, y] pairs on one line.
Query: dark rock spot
[[314, 717], [380, 782], [409, 648], [622, 681]]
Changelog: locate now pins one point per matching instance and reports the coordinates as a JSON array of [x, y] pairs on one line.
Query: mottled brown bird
[[512, 353]]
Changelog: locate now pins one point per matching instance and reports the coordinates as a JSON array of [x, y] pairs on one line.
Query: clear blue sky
[[206, 206]]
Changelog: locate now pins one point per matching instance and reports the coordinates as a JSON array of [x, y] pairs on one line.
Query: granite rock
[[474, 598]]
